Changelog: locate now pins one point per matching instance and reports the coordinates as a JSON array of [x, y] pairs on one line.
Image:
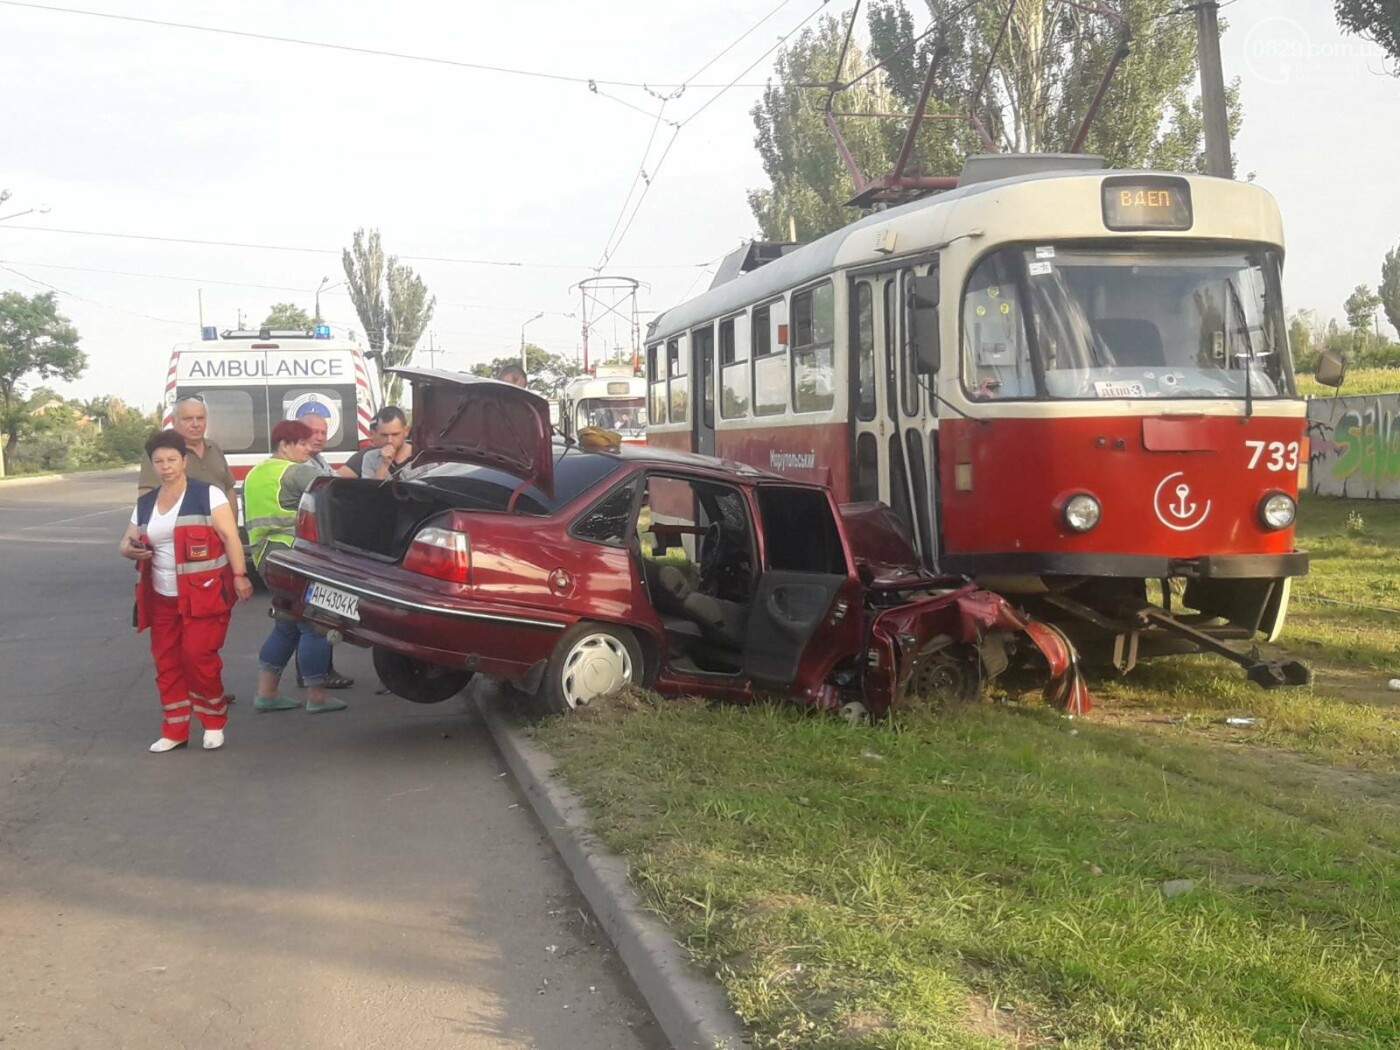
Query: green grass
[[1352, 546], [1358, 381], [993, 877]]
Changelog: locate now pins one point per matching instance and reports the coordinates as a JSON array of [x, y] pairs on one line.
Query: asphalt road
[[369, 878]]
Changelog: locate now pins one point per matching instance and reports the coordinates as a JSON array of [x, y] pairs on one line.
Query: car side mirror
[[1331, 369], [923, 321]]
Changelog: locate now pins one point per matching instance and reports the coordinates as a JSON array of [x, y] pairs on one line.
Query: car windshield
[[1054, 322], [486, 488]]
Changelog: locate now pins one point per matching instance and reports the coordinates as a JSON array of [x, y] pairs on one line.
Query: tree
[[392, 302], [809, 184], [1360, 307], [1377, 20], [35, 339], [365, 267], [546, 373], [288, 315], [410, 310], [1044, 75], [1389, 289]]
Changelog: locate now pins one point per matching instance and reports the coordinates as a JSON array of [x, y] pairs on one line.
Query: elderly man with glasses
[[205, 461]]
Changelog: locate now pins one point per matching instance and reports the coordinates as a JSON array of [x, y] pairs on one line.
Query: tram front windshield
[[1050, 322], [623, 415]]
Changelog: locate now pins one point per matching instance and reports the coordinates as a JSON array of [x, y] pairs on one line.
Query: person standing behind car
[[396, 452], [185, 543], [272, 492], [351, 467], [204, 460], [320, 432]]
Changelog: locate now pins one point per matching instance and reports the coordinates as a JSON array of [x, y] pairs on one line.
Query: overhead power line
[[325, 251], [481, 67], [613, 245], [295, 289], [92, 302]]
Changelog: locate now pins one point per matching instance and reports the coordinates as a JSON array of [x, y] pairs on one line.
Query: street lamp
[[523, 366], [322, 288], [42, 209]]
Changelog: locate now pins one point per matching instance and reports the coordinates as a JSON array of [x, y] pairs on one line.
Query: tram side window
[[679, 379], [996, 353], [703, 340], [656, 384], [814, 349], [770, 378], [734, 368], [865, 353]]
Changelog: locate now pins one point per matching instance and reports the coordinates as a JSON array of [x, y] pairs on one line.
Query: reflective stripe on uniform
[[176, 705], [267, 521], [186, 520], [176, 719], [201, 566]]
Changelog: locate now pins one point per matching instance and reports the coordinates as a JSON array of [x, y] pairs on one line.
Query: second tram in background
[[1073, 385], [613, 397]]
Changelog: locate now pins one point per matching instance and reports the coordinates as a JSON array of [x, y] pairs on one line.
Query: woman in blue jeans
[[271, 493]]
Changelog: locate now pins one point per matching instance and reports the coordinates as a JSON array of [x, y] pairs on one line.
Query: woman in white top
[[184, 540]]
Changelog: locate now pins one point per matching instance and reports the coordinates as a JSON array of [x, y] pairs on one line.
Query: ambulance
[[249, 380]]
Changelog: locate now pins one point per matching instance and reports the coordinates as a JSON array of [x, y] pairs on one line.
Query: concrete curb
[[692, 1010]]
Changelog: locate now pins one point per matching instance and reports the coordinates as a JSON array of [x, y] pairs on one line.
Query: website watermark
[[1278, 50]]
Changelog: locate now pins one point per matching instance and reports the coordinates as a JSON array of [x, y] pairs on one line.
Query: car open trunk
[[378, 518]]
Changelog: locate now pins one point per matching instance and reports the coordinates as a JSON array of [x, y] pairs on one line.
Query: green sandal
[[328, 705], [275, 703]]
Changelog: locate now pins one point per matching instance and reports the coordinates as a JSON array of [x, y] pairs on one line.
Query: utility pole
[[1217, 123], [432, 352]]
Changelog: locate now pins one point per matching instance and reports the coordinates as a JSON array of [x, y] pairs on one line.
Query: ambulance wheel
[[590, 660], [418, 680]]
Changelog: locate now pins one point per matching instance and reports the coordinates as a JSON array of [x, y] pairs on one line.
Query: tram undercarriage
[[1115, 622]]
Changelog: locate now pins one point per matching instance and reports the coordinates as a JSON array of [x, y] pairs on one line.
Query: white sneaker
[[166, 744], [213, 738]]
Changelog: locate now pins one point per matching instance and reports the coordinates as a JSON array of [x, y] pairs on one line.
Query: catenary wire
[[92, 302], [651, 181], [300, 289], [325, 251], [353, 49], [608, 246]]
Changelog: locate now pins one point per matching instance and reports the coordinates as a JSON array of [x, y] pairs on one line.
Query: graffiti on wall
[[1355, 446]]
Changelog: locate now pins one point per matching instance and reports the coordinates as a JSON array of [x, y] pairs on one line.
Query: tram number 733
[[1276, 455]]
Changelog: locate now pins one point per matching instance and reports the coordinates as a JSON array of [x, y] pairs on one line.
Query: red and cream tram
[[1073, 385]]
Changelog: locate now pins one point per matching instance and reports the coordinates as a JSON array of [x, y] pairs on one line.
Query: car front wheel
[[591, 660], [418, 680]]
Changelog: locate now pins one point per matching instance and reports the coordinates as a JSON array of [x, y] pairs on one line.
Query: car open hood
[[474, 420]]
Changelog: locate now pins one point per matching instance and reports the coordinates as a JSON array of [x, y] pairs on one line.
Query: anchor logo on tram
[[1174, 506]]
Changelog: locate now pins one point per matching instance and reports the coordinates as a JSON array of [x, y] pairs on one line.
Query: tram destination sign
[[1146, 202]]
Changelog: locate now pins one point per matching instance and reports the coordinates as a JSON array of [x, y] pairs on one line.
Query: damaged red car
[[574, 571]]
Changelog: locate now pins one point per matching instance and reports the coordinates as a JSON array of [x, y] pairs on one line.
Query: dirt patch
[[1003, 1024]]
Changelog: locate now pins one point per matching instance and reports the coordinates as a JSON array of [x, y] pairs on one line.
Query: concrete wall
[[1355, 446]]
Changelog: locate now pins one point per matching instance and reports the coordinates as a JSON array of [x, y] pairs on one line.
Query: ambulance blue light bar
[[209, 333], [323, 331]]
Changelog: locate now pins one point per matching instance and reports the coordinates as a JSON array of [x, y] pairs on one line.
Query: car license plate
[[333, 600]]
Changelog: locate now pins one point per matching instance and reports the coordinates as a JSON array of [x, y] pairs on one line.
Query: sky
[[523, 182]]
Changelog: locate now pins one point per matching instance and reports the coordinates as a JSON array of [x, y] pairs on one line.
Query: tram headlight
[[1082, 512], [1277, 510]]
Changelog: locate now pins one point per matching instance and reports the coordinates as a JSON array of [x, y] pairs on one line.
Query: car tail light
[[308, 527], [443, 553]]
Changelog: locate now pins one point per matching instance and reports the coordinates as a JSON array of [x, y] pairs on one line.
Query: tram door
[[892, 419], [703, 341]]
